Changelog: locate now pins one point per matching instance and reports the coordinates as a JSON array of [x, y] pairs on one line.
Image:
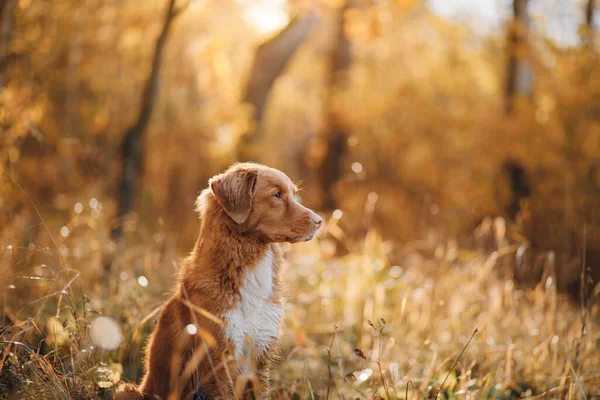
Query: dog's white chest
[[254, 317]]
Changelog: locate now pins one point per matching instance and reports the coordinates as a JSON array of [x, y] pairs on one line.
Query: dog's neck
[[220, 237], [224, 250]]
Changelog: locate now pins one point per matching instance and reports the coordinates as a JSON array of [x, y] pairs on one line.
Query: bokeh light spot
[[395, 271], [372, 197], [365, 374], [143, 281], [191, 329], [327, 275], [352, 141], [64, 231], [357, 167], [106, 333]]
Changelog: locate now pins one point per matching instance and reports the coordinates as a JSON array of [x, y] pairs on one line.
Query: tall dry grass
[[366, 318]]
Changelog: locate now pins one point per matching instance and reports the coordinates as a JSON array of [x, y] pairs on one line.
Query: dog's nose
[[317, 220]]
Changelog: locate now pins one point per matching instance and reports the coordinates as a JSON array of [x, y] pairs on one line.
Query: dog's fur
[[228, 291]]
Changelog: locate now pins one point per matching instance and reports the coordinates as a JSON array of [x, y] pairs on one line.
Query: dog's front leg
[[164, 353], [263, 364]]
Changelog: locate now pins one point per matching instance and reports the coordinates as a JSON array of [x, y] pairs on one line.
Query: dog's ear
[[234, 191]]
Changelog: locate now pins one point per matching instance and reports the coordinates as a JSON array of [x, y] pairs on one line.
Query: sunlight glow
[[78, 208], [266, 16], [64, 231], [558, 20]]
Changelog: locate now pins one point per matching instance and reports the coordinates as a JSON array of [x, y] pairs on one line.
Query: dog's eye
[[277, 195]]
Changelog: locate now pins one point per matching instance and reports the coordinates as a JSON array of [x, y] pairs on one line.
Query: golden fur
[[244, 213]]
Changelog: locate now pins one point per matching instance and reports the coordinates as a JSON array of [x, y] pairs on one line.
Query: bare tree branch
[[271, 59]]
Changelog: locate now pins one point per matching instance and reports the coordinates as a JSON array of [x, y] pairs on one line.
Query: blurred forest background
[[465, 124], [448, 113]]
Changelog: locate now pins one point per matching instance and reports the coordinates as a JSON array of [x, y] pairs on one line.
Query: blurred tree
[[519, 78], [7, 15], [269, 62], [418, 112], [131, 146], [334, 142], [520, 188], [588, 38]]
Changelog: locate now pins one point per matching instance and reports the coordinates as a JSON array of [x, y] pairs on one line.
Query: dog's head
[[262, 200]]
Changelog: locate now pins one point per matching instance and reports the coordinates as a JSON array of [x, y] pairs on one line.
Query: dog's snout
[[317, 220]]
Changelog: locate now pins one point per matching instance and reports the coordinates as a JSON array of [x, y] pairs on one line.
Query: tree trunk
[[5, 32], [519, 79], [330, 169], [271, 59], [131, 153], [589, 26]]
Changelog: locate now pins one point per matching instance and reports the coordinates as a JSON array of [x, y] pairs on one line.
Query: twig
[[152, 314], [20, 233], [456, 363], [414, 389], [387, 393], [582, 297], [578, 383], [329, 362], [380, 330], [35, 209], [43, 363], [310, 389]]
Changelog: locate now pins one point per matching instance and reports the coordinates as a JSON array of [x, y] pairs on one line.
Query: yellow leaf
[[114, 376], [56, 334], [105, 384]]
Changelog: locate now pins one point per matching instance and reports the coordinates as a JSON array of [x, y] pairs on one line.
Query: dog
[[223, 321]]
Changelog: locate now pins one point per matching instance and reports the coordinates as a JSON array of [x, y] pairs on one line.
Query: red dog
[[228, 299]]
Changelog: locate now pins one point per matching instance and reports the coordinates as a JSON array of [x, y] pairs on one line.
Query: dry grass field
[[366, 318]]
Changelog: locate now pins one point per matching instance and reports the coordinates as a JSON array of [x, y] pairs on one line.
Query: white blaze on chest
[[254, 316]]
